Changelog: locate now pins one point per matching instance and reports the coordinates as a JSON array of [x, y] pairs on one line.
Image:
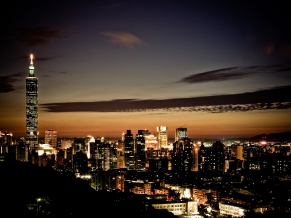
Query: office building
[[22, 150], [79, 145], [80, 162], [129, 150], [239, 152], [162, 136], [217, 157], [31, 107], [120, 155], [106, 156], [5, 141], [188, 208], [151, 141], [183, 155], [231, 210], [180, 133], [89, 140], [140, 151], [158, 160], [51, 138], [66, 143]]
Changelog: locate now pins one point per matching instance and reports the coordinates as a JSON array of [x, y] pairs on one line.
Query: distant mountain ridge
[[280, 136]]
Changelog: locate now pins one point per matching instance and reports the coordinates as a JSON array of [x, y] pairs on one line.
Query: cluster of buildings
[[180, 177]]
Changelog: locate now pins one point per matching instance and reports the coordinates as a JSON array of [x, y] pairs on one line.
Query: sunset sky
[[219, 68]]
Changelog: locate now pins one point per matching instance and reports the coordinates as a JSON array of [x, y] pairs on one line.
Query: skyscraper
[[180, 133], [51, 137], [129, 150], [162, 136], [140, 151], [183, 155], [31, 107], [5, 141]]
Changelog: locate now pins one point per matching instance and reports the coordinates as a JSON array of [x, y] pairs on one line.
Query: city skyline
[[220, 70]]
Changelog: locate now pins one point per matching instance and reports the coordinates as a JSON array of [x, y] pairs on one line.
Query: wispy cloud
[[123, 38], [6, 82], [215, 75], [233, 73], [36, 36], [275, 98]]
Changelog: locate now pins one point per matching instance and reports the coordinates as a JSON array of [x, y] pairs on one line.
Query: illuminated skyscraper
[[140, 151], [162, 136], [120, 154], [180, 133], [129, 150], [5, 141], [31, 107], [183, 155], [51, 137]]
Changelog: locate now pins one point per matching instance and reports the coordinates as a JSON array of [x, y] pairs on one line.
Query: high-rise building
[[158, 160], [79, 145], [31, 107], [51, 138], [239, 152], [217, 157], [129, 150], [22, 150], [120, 154], [140, 151], [151, 142], [162, 136], [5, 141], [183, 155], [106, 157], [80, 162], [88, 140], [180, 133]]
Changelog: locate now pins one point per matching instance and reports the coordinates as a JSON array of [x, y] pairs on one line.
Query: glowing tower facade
[[180, 133], [51, 137], [31, 107], [162, 136]]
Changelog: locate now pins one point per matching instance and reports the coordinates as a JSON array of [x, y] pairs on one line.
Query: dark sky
[[220, 67]]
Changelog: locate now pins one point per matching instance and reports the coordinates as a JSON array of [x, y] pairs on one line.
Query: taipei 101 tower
[[31, 108]]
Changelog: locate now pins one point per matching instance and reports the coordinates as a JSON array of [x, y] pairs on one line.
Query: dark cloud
[[6, 82], [233, 73], [285, 69], [36, 36], [240, 107], [275, 98], [216, 75]]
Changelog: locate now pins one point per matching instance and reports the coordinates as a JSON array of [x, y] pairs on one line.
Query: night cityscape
[[145, 109]]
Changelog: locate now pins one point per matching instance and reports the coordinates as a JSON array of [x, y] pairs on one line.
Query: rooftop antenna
[[31, 59]]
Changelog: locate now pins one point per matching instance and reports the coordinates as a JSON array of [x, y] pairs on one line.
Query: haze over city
[[220, 69]]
